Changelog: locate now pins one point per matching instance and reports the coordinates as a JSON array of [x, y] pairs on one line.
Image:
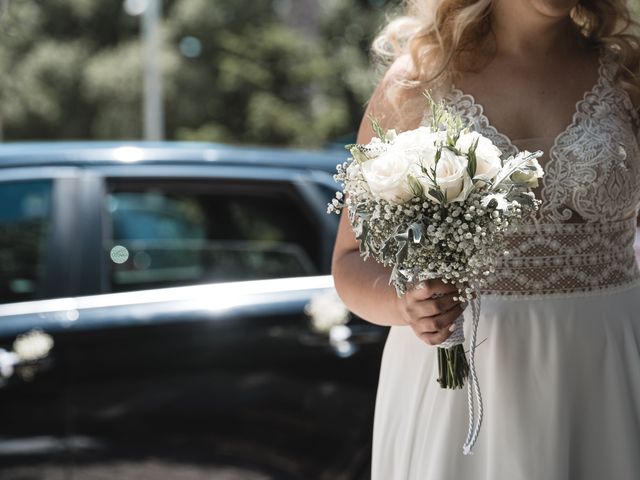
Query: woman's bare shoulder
[[395, 102]]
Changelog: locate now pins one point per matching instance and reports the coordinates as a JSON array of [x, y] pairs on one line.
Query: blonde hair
[[442, 37]]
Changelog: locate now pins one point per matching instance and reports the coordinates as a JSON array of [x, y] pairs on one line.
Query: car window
[[25, 211], [181, 234], [328, 193]]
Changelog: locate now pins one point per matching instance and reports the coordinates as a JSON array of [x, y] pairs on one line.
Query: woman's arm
[[364, 285]]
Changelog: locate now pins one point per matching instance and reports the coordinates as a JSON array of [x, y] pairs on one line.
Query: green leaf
[[377, 129], [437, 193], [472, 166], [415, 186]]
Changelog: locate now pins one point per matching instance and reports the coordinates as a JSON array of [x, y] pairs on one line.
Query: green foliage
[[261, 71]]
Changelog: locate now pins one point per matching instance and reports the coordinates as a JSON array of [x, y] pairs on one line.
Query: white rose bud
[[487, 154], [451, 176]]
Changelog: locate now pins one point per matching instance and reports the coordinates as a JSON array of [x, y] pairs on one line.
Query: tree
[[237, 72]]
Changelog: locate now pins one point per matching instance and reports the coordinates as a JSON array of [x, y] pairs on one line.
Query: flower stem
[[452, 366]]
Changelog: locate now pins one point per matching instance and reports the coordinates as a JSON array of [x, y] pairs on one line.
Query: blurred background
[[277, 72], [166, 304]]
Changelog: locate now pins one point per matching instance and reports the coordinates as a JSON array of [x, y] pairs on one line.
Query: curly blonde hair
[[442, 37]]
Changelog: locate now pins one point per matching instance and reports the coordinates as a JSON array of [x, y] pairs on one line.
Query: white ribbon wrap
[[474, 396]]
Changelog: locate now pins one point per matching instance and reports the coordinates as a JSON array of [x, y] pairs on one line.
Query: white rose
[[387, 175], [451, 176], [487, 154], [420, 144], [420, 147]]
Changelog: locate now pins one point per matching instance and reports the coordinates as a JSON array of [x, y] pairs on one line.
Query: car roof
[[90, 153]]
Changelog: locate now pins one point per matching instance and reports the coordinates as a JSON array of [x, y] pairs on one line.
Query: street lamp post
[[153, 104], [150, 12]]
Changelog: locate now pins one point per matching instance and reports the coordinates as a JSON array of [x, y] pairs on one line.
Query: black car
[[173, 278]]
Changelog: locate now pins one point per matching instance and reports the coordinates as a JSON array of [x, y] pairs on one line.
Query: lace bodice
[[582, 238]]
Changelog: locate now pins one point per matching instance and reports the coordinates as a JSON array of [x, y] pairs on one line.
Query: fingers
[[439, 322], [435, 330], [417, 309], [430, 310], [439, 305], [434, 339]]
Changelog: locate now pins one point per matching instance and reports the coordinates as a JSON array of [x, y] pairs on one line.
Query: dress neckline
[[466, 106], [459, 94]]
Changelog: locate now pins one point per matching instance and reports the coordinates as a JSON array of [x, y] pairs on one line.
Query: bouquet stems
[[453, 367]]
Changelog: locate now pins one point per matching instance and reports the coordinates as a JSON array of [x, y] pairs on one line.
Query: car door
[[34, 267], [198, 344]]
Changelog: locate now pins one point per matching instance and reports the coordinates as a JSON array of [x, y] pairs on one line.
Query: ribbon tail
[[473, 393]]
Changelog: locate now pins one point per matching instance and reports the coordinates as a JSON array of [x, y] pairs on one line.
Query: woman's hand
[[430, 310]]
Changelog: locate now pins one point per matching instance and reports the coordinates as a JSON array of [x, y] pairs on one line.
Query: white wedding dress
[[558, 359]]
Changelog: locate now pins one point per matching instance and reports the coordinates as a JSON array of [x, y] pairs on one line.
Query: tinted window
[[24, 227], [165, 235], [328, 193]]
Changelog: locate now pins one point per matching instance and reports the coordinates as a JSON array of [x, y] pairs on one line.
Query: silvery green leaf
[[413, 234], [511, 165], [495, 200], [403, 250], [387, 247], [358, 153], [525, 199], [361, 230]]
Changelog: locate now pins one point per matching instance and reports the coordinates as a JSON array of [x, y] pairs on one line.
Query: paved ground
[[146, 470]]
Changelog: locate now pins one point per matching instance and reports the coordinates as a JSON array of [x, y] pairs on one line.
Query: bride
[[559, 366]]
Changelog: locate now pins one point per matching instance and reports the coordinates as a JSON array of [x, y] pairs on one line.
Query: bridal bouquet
[[437, 202]]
